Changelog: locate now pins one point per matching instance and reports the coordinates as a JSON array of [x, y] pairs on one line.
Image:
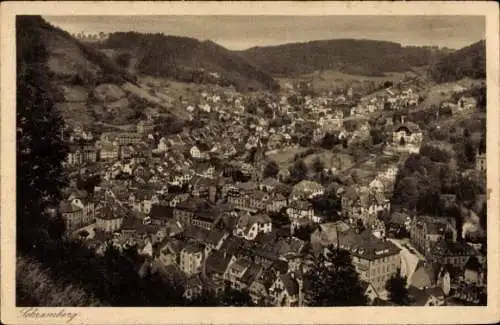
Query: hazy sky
[[241, 32]]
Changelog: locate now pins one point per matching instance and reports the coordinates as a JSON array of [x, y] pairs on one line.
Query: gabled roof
[[473, 264], [191, 248], [251, 274], [194, 204], [217, 263], [366, 245], [161, 212], [232, 245], [446, 248], [410, 126]]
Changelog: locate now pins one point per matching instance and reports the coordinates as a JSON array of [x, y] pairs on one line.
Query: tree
[[360, 227], [328, 205], [388, 84], [298, 171], [406, 192], [396, 286], [304, 232], [83, 234], [229, 297], [333, 281], [305, 141], [329, 141], [40, 149], [318, 165], [466, 133], [377, 135], [271, 170]]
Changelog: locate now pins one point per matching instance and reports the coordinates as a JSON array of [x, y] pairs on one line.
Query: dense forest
[[363, 57], [189, 60], [469, 62]]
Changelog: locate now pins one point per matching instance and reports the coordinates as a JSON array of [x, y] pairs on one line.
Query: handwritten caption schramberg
[[34, 312]]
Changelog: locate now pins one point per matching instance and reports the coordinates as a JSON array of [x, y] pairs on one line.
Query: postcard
[[249, 162]]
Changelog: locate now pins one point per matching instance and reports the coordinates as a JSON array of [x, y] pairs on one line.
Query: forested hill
[[69, 60], [365, 57], [190, 60], [469, 62]]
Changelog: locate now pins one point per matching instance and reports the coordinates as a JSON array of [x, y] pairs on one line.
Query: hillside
[[189, 60], [469, 62], [86, 85], [362, 57]]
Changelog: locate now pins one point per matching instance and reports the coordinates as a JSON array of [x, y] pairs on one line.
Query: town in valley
[[199, 176]]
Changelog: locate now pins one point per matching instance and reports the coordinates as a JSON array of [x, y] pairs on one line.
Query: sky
[[242, 32]]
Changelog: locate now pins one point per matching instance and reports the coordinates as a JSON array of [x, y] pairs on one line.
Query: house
[[349, 198], [203, 187], [72, 214], [474, 272], [205, 169], [448, 200], [398, 222], [206, 219], [191, 258], [376, 186], [249, 226], [276, 203], [301, 210], [109, 151], [329, 233], [81, 153], [307, 189], [184, 211], [426, 297], [195, 152], [235, 271], [369, 291], [407, 135], [453, 253], [169, 252], [287, 291], [241, 202], [481, 162], [375, 260], [109, 218], [269, 184], [466, 103], [160, 214], [145, 126], [143, 200], [193, 288], [122, 138], [216, 265], [258, 200], [426, 231]]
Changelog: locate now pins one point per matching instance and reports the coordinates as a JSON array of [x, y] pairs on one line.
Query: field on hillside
[[332, 79], [285, 157], [339, 161], [440, 92]]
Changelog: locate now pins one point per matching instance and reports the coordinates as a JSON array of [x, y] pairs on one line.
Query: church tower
[[258, 159]]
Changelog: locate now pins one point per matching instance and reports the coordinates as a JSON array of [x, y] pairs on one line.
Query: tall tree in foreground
[[40, 149], [333, 281], [396, 286]]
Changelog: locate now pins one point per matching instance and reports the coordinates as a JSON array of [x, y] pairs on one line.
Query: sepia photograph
[[249, 160]]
